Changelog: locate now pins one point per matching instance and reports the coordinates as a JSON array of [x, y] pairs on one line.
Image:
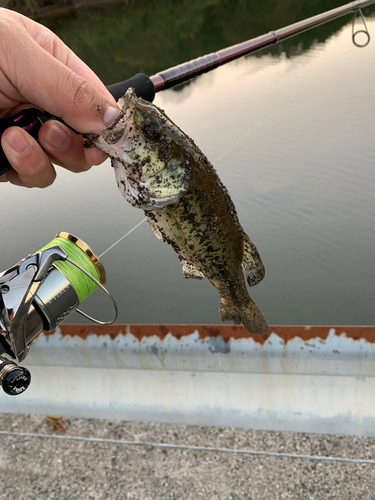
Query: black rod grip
[[30, 120], [141, 83]]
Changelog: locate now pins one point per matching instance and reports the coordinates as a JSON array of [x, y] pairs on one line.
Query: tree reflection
[[152, 35]]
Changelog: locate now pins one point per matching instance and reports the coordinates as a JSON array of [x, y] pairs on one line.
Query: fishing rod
[[44, 288], [32, 119], [189, 70]]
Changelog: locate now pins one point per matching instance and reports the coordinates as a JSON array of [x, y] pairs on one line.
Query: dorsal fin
[[252, 264]]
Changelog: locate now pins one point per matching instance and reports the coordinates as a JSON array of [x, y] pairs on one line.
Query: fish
[[160, 170]]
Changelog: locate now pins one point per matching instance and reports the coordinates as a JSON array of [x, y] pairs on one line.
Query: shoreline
[[49, 11]]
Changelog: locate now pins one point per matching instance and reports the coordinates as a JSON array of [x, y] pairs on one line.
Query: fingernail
[[110, 115], [57, 138], [17, 142]]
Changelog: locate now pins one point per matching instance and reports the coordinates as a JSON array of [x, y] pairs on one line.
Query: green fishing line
[[122, 237], [81, 283]]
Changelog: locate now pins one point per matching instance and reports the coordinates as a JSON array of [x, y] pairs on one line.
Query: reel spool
[[38, 294]]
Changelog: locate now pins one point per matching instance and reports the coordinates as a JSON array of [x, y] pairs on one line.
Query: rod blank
[[186, 71]]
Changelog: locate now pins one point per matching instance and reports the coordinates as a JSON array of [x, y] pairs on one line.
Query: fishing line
[[142, 221], [122, 237], [265, 120], [79, 253], [239, 140], [84, 272]]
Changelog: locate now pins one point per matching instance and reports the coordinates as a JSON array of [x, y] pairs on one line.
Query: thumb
[[49, 83], [79, 103]]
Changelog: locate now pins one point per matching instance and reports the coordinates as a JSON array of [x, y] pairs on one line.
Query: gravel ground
[[67, 469]]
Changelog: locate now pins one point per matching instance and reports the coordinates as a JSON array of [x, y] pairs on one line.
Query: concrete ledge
[[315, 379]]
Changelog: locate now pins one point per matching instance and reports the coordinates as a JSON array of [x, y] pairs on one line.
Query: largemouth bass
[[159, 169]]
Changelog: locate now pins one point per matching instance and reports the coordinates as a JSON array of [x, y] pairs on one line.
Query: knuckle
[[47, 181], [35, 170], [43, 180], [28, 168], [85, 99], [73, 158]]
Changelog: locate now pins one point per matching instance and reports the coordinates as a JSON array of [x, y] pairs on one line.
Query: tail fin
[[249, 315]]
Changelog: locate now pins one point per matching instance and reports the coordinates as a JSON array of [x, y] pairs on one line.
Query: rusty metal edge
[[227, 332]]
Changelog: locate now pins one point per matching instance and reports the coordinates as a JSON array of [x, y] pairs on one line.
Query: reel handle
[[14, 379], [32, 119]]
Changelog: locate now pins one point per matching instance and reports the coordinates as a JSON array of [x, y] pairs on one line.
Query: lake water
[[291, 132]]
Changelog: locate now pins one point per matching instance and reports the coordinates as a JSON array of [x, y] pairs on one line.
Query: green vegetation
[[34, 7], [39, 9]]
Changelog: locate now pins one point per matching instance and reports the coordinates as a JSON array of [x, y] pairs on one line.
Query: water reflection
[[148, 36], [293, 142]]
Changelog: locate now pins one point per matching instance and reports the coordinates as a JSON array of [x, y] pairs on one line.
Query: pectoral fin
[[190, 271], [155, 229]]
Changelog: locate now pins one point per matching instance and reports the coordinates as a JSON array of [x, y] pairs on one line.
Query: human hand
[[38, 70]]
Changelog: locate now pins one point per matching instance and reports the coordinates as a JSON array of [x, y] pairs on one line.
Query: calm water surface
[[291, 132]]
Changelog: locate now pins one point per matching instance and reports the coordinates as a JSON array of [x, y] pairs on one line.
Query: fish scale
[[161, 170]]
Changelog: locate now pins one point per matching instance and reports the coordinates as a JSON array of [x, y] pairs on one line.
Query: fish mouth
[[135, 156]]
